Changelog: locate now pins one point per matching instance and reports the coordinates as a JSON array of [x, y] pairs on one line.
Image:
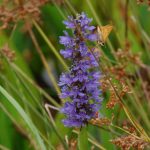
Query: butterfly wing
[[103, 33]]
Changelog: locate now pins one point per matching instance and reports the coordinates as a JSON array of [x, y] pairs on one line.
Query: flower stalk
[[81, 84]]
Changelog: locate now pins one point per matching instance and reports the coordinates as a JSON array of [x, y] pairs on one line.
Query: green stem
[[59, 10], [50, 45], [139, 107], [16, 68], [47, 67], [70, 7], [92, 140], [126, 131]]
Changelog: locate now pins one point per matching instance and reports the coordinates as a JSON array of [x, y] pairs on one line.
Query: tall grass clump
[[71, 82]]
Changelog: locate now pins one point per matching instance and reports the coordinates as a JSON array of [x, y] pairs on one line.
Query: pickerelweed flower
[[81, 84]]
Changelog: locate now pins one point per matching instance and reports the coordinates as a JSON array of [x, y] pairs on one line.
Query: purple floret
[[81, 85]]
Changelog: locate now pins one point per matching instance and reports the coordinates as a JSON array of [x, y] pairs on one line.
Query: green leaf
[[6, 131], [26, 118], [83, 139]]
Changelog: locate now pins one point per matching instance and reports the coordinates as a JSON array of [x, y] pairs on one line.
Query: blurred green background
[[23, 119]]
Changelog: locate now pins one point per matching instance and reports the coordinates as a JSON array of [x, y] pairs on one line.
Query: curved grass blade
[[28, 121], [50, 45], [17, 69], [3, 147]]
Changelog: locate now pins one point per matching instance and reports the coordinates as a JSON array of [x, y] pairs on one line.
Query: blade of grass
[[71, 7], [93, 141], [96, 144], [23, 114], [40, 117], [17, 69], [126, 131], [27, 103], [50, 45], [54, 125], [3, 147], [127, 112], [139, 107], [47, 67], [15, 80], [59, 10], [141, 30], [83, 139], [136, 125], [19, 127]]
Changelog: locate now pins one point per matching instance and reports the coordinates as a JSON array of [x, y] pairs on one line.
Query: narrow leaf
[[83, 139], [28, 121]]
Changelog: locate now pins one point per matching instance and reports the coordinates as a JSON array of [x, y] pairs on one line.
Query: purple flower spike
[[81, 84]]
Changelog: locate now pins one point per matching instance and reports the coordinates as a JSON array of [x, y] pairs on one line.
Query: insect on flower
[[81, 84], [103, 33]]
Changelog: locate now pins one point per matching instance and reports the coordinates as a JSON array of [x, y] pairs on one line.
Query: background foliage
[[30, 66]]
